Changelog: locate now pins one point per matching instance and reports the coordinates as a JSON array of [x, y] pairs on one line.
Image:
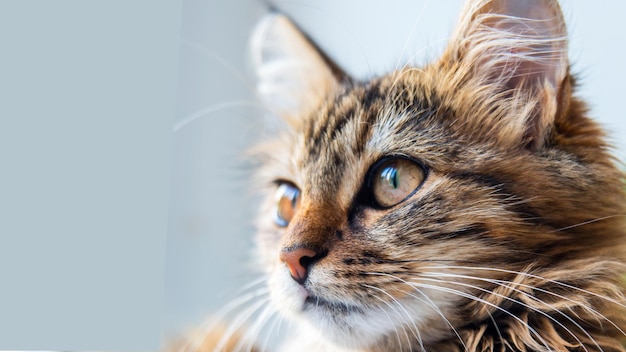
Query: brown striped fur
[[515, 240]]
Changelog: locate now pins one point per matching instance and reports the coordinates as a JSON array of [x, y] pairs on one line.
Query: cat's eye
[[394, 180], [287, 201]]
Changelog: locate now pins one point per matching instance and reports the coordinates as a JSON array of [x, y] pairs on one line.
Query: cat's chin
[[333, 322], [346, 326]]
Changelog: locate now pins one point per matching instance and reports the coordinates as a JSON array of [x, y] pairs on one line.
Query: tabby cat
[[468, 205]]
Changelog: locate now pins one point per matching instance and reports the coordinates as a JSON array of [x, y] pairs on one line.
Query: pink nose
[[298, 261]]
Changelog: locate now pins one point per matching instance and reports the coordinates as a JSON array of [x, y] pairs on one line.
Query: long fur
[[514, 242]]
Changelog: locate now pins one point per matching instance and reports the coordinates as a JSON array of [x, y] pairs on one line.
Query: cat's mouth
[[317, 303], [345, 324]]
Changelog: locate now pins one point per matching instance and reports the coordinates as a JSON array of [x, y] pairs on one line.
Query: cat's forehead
[[365, 122]]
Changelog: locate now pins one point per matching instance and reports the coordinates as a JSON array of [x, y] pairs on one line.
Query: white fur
[[356, 331]]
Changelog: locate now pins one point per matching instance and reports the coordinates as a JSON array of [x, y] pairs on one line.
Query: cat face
[[431, 201]]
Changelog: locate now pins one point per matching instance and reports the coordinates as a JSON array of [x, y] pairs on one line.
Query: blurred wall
[[209, 221], [210, 211]]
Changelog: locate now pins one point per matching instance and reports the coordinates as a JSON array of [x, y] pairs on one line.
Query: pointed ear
[[520, 47], [293, 75]]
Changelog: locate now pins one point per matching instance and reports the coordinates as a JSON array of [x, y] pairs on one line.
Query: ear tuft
[[520, 48]]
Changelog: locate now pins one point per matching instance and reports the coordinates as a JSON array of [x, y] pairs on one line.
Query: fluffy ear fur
[[520, 48], [293, 75]]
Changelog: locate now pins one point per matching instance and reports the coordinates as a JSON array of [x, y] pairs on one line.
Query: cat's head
[[419, 203]]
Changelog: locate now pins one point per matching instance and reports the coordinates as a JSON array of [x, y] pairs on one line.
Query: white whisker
[[273, 330], [341, 23], [252, 333], [241, 298], [213, 109], [415, 330], [231, 306], [530, 276], [222, 61], [523, 305], [426, 300], [238, 322], [395, 328], [480, 300], [411, 33], [507, 283], [587, 222]]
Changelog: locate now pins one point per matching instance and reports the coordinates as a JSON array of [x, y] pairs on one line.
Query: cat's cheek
[[287, 295]]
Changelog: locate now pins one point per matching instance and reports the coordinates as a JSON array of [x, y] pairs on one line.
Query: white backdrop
[[210, 212]]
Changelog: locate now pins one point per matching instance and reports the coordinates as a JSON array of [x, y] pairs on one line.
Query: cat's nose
[[298, 261]]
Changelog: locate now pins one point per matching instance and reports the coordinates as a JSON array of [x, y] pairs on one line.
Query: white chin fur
[[286, 294], [353, 330]]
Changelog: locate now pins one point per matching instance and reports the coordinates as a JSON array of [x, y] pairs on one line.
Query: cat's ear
[[293, 75], [519, 46]]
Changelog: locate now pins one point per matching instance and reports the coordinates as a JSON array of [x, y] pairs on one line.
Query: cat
[[467, 205]]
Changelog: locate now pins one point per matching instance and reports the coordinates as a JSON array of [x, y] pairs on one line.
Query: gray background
[[211, 211], [87, 98]]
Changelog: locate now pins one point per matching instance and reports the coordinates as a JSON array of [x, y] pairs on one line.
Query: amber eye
[[394, 180], [287, 201]]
